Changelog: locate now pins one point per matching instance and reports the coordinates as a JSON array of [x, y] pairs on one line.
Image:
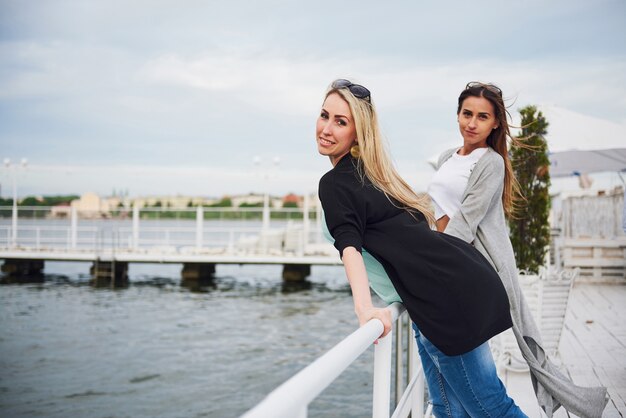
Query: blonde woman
[[450, 290]]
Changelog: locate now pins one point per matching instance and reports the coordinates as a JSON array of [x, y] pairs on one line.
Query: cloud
[[213, 85], [273, 82], [163, 179], [292, 84]]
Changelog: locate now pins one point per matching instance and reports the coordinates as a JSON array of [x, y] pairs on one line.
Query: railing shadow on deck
[[292, 398]]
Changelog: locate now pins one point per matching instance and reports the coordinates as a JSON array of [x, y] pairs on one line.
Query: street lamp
[[266, 197], [12, 167]]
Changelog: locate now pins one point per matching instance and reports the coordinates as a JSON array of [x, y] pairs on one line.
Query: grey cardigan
[[481, 221]]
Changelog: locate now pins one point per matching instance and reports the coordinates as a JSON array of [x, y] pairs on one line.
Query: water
[[156, 349]]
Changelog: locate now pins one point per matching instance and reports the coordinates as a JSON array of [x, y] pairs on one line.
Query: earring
[[355, 151]]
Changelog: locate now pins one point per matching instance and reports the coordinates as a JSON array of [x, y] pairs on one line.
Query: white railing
[[218, 230], [292, 398], [51, 236], [595, 216]]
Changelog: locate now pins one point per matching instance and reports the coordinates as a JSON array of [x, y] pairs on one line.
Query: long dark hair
[[498, 138]]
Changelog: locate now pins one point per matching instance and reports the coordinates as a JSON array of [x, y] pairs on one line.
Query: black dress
[[448, 288]]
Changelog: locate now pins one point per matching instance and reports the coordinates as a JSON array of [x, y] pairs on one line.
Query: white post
[[382, 377], [135, 227], [74, 227], [14, 219], [12, 168], [266, 212], [319, 220], [417, 399], [14, 212], [399, 362], [266, 199], [199, 226], [306, 222]]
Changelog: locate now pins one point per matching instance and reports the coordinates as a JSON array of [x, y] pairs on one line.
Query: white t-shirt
[[449, 182]]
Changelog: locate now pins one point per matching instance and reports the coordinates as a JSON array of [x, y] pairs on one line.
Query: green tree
[[251, 205], [529, 228], [31, 201], [226, 202], [56, 200]]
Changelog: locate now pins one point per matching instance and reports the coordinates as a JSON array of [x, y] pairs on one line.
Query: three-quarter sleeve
[[344, 209]]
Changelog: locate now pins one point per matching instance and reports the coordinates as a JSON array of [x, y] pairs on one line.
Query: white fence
[[192, 230], [593, 216], [292, 398], [591, 237]]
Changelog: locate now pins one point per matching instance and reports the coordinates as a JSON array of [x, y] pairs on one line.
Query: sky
[[207, 98]]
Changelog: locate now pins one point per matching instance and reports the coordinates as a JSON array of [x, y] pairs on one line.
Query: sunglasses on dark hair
[[356, 89], [490, 87]]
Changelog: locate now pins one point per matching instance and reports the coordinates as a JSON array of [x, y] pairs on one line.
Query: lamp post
[[12, 167], [266, 197]]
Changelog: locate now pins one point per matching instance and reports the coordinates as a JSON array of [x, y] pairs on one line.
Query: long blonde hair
[[374, 160]]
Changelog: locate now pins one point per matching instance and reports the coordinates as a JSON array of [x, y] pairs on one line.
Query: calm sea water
[[156, 349]]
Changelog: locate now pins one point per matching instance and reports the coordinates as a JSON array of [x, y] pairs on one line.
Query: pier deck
[[592, 348], [156, 256]]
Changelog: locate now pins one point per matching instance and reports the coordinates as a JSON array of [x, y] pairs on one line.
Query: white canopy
[[577, 162], [569, 130], [581, 144]]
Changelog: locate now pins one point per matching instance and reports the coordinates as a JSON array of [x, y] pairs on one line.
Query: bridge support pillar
[[22, 271], [296, 272], [109, 274], [197, 274]]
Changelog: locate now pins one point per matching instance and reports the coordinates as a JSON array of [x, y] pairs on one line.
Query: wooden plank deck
[[592, 348]]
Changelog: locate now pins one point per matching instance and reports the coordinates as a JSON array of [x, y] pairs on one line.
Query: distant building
[[62, 210], [88, 203], [291, 200], [173, 202], [91, 205], [255, 199], [248, 199]]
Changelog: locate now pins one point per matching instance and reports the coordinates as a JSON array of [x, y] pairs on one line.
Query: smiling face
[[476, 121], [335, 130]]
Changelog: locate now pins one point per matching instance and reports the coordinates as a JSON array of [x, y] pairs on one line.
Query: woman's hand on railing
[[383, 314]]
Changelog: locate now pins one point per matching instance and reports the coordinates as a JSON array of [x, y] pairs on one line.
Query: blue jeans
[[465, 385]]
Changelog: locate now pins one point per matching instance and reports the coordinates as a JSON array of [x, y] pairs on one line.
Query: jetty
[[198, 238]]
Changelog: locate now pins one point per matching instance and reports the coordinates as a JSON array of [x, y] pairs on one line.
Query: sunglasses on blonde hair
[[357, 90]]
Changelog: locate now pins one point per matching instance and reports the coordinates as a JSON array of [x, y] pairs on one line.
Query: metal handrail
[[291, 399]]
